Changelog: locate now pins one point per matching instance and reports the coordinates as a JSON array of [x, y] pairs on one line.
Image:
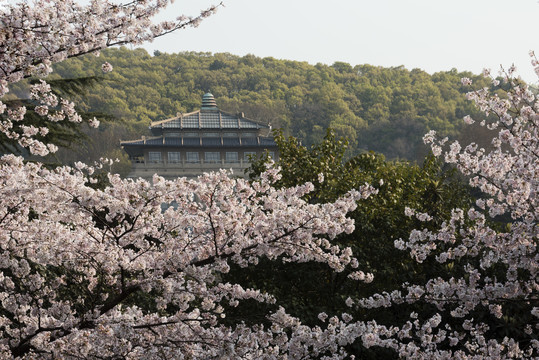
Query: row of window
[[193, 157]]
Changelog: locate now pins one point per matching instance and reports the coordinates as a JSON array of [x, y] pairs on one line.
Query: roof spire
[[208, 102]]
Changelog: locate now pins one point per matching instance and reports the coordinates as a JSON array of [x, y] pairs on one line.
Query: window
[[137, 159], [212, 156], [231, 156], [271, 155], [174, 157], [154, 156], [247, 155], [191, 157]]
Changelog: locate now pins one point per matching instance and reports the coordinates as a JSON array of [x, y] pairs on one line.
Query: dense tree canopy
[[379, 220], [380, 109]]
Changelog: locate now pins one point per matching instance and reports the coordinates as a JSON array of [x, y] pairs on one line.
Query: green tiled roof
[[208, 117]]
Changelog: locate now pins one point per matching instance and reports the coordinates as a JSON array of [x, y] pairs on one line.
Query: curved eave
[[228, 143]]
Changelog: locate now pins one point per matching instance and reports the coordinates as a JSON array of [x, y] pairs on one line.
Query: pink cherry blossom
[[74, 258], [507, 176]]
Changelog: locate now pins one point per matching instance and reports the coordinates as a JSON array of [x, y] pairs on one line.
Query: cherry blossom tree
[[91, 272], [486, 304], [487, 307], [108, 273], [87, 272], [35, 36]]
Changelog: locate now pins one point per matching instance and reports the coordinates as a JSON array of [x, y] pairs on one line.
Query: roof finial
[[208, 102]]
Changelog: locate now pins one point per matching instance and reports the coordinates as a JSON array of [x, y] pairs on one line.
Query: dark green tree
[[309, 289]]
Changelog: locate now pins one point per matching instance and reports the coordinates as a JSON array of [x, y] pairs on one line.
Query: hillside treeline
[[386, 110]]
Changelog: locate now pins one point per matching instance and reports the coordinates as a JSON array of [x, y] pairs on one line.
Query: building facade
[[205, 140]]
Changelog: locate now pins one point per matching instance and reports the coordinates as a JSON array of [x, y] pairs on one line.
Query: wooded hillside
[[386, 110]]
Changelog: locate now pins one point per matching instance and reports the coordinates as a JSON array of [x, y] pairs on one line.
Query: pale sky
[[432, 35]]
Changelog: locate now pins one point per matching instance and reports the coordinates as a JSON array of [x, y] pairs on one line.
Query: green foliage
[[385, 110], [300, 165], [308, 289]]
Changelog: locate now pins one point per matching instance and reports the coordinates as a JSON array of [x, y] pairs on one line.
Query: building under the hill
[[205, 140]]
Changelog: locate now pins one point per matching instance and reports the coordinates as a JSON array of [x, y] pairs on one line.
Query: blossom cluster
[[71, 256], [135, 270], [35, 36], [494, 243]]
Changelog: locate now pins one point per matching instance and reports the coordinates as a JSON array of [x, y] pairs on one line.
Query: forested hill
[[382, 109]]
